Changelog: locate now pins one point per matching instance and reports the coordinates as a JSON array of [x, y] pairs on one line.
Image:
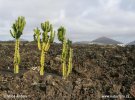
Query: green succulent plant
[[16, 32], [67, 52], [61, 34], [44, 39]]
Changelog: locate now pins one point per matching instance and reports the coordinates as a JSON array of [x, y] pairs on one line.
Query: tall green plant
[[16, 32], [44, 40], [67, 52]]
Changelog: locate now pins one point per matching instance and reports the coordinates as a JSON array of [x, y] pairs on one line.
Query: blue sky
[[84, 20]]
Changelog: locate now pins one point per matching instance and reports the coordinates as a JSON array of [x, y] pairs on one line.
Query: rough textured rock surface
[[97, 71]]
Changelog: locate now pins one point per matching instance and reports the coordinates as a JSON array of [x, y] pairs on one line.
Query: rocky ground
[[99, 73]]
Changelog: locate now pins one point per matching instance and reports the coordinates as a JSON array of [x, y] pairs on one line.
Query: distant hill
[[100, 41], [131, 43], [105, 41]]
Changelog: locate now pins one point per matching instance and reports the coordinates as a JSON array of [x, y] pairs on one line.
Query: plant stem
[[16, 57], [42, 60]]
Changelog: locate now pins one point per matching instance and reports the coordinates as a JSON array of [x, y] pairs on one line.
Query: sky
[[84, 20]]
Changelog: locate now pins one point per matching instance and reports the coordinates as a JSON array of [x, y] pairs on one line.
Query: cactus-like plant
[[67, 52], [16, 32], [44, 40]]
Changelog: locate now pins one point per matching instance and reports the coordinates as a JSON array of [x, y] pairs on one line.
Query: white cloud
[[84, 19]]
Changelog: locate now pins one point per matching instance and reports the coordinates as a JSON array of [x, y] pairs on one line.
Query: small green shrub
[[67, 52], [44, 41], [16, 32]]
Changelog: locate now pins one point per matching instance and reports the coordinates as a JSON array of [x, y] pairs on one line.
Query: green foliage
[[46, 26], [44, 39], [37, 37], [16, 32], [61, 34], [67, 52], [36, 34], [18, 27]]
